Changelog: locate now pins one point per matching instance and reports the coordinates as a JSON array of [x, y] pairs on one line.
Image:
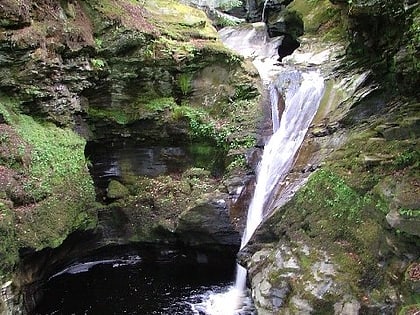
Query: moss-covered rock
[[167, 208], [46, 190], [116, 190], [385, 35]]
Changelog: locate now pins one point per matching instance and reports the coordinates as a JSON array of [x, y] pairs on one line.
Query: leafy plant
[[406, 158], [238, 162], [98, 64], [184, 83], [201, 125], [409, 213], [160, 104], [98, 43], [224, 22]]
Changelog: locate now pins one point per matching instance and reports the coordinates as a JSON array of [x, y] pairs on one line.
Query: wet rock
[[323, 130], [407, 225], [288, 45], [208, 223], [409, 128], [276, 276], [8, 298], [375, 160], [347, 308], [402, 196], [302, 306], [284, 23]]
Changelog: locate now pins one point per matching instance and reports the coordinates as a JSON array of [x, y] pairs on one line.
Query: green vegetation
[[162, 43], [184, 83], [409, 213], [116, 115], [414, 39], [8, 245], [228, 4], [180, 21], [97, 64], [409, 157], [342, 202], [410, 309], [221, 21], [328, 214], [389, 156], [201, 125], [160, 104]]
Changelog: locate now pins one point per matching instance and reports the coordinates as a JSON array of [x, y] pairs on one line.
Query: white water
[[302, 92], [252, 42], [263, 12], [274, 101]]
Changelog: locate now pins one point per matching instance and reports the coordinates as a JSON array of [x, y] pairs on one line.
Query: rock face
[[154, 72], [386, 34], [280, 21], [256, 8]]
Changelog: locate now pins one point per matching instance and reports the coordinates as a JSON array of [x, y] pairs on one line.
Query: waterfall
[[302, 98], [274, 101], [302, 92], [263, 12]]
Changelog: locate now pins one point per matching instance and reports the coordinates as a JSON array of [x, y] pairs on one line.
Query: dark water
[[134, 286]]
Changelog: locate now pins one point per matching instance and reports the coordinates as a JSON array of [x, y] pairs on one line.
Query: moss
[[60, 189], [351, 161], [116, 190], [59, 182], [410, 309], [341, 200], [8, 245], [144, 107], [146, 208], [180, 21], [320, 17], [328, 214]]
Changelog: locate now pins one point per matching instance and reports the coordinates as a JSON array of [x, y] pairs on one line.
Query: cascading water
[[274, 101], [302, 92], [263, 12]]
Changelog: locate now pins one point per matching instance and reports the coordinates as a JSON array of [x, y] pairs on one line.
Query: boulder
[[116, 190], [208, 223]]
